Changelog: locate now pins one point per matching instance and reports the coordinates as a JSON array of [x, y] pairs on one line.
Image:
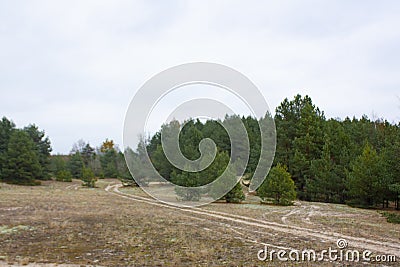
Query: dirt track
[[253, 227]]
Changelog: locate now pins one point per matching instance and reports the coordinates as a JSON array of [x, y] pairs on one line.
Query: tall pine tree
[[42, 149], [6, 129], [22, 164]]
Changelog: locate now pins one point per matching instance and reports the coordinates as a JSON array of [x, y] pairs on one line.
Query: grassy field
[[63, 223]]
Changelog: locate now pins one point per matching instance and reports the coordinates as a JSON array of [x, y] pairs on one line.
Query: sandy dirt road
[[251, 229]]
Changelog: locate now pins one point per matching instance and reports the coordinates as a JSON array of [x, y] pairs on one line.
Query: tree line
[[353, 161], [89, 163], [25, 158]]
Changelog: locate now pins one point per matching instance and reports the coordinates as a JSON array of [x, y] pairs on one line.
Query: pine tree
[[6, 129], [189, 181], [254, 134], [391, 155], [324, 183], [75, 165], [217, 168], [58, 168], [161, 163], [235, 195], [22, 164], [213, 129], [299, 126], [368, 184], [124, 173], [88, 154], [139, 163], [108, 159], [340, 148], [108, 162], [88, 177], [189, 140], [57, 164], [279, 186], [42, 149]]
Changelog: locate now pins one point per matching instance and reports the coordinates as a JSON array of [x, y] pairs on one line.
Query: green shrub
[[391, 217], [64, 176], [88, 177], [236, 195]]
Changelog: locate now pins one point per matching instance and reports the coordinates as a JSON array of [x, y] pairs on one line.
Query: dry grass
[[52, 224]]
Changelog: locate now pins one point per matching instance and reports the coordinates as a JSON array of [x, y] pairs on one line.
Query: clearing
[[65, 224]]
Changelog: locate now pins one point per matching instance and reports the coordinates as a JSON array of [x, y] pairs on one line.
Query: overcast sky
[[72, 67]]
